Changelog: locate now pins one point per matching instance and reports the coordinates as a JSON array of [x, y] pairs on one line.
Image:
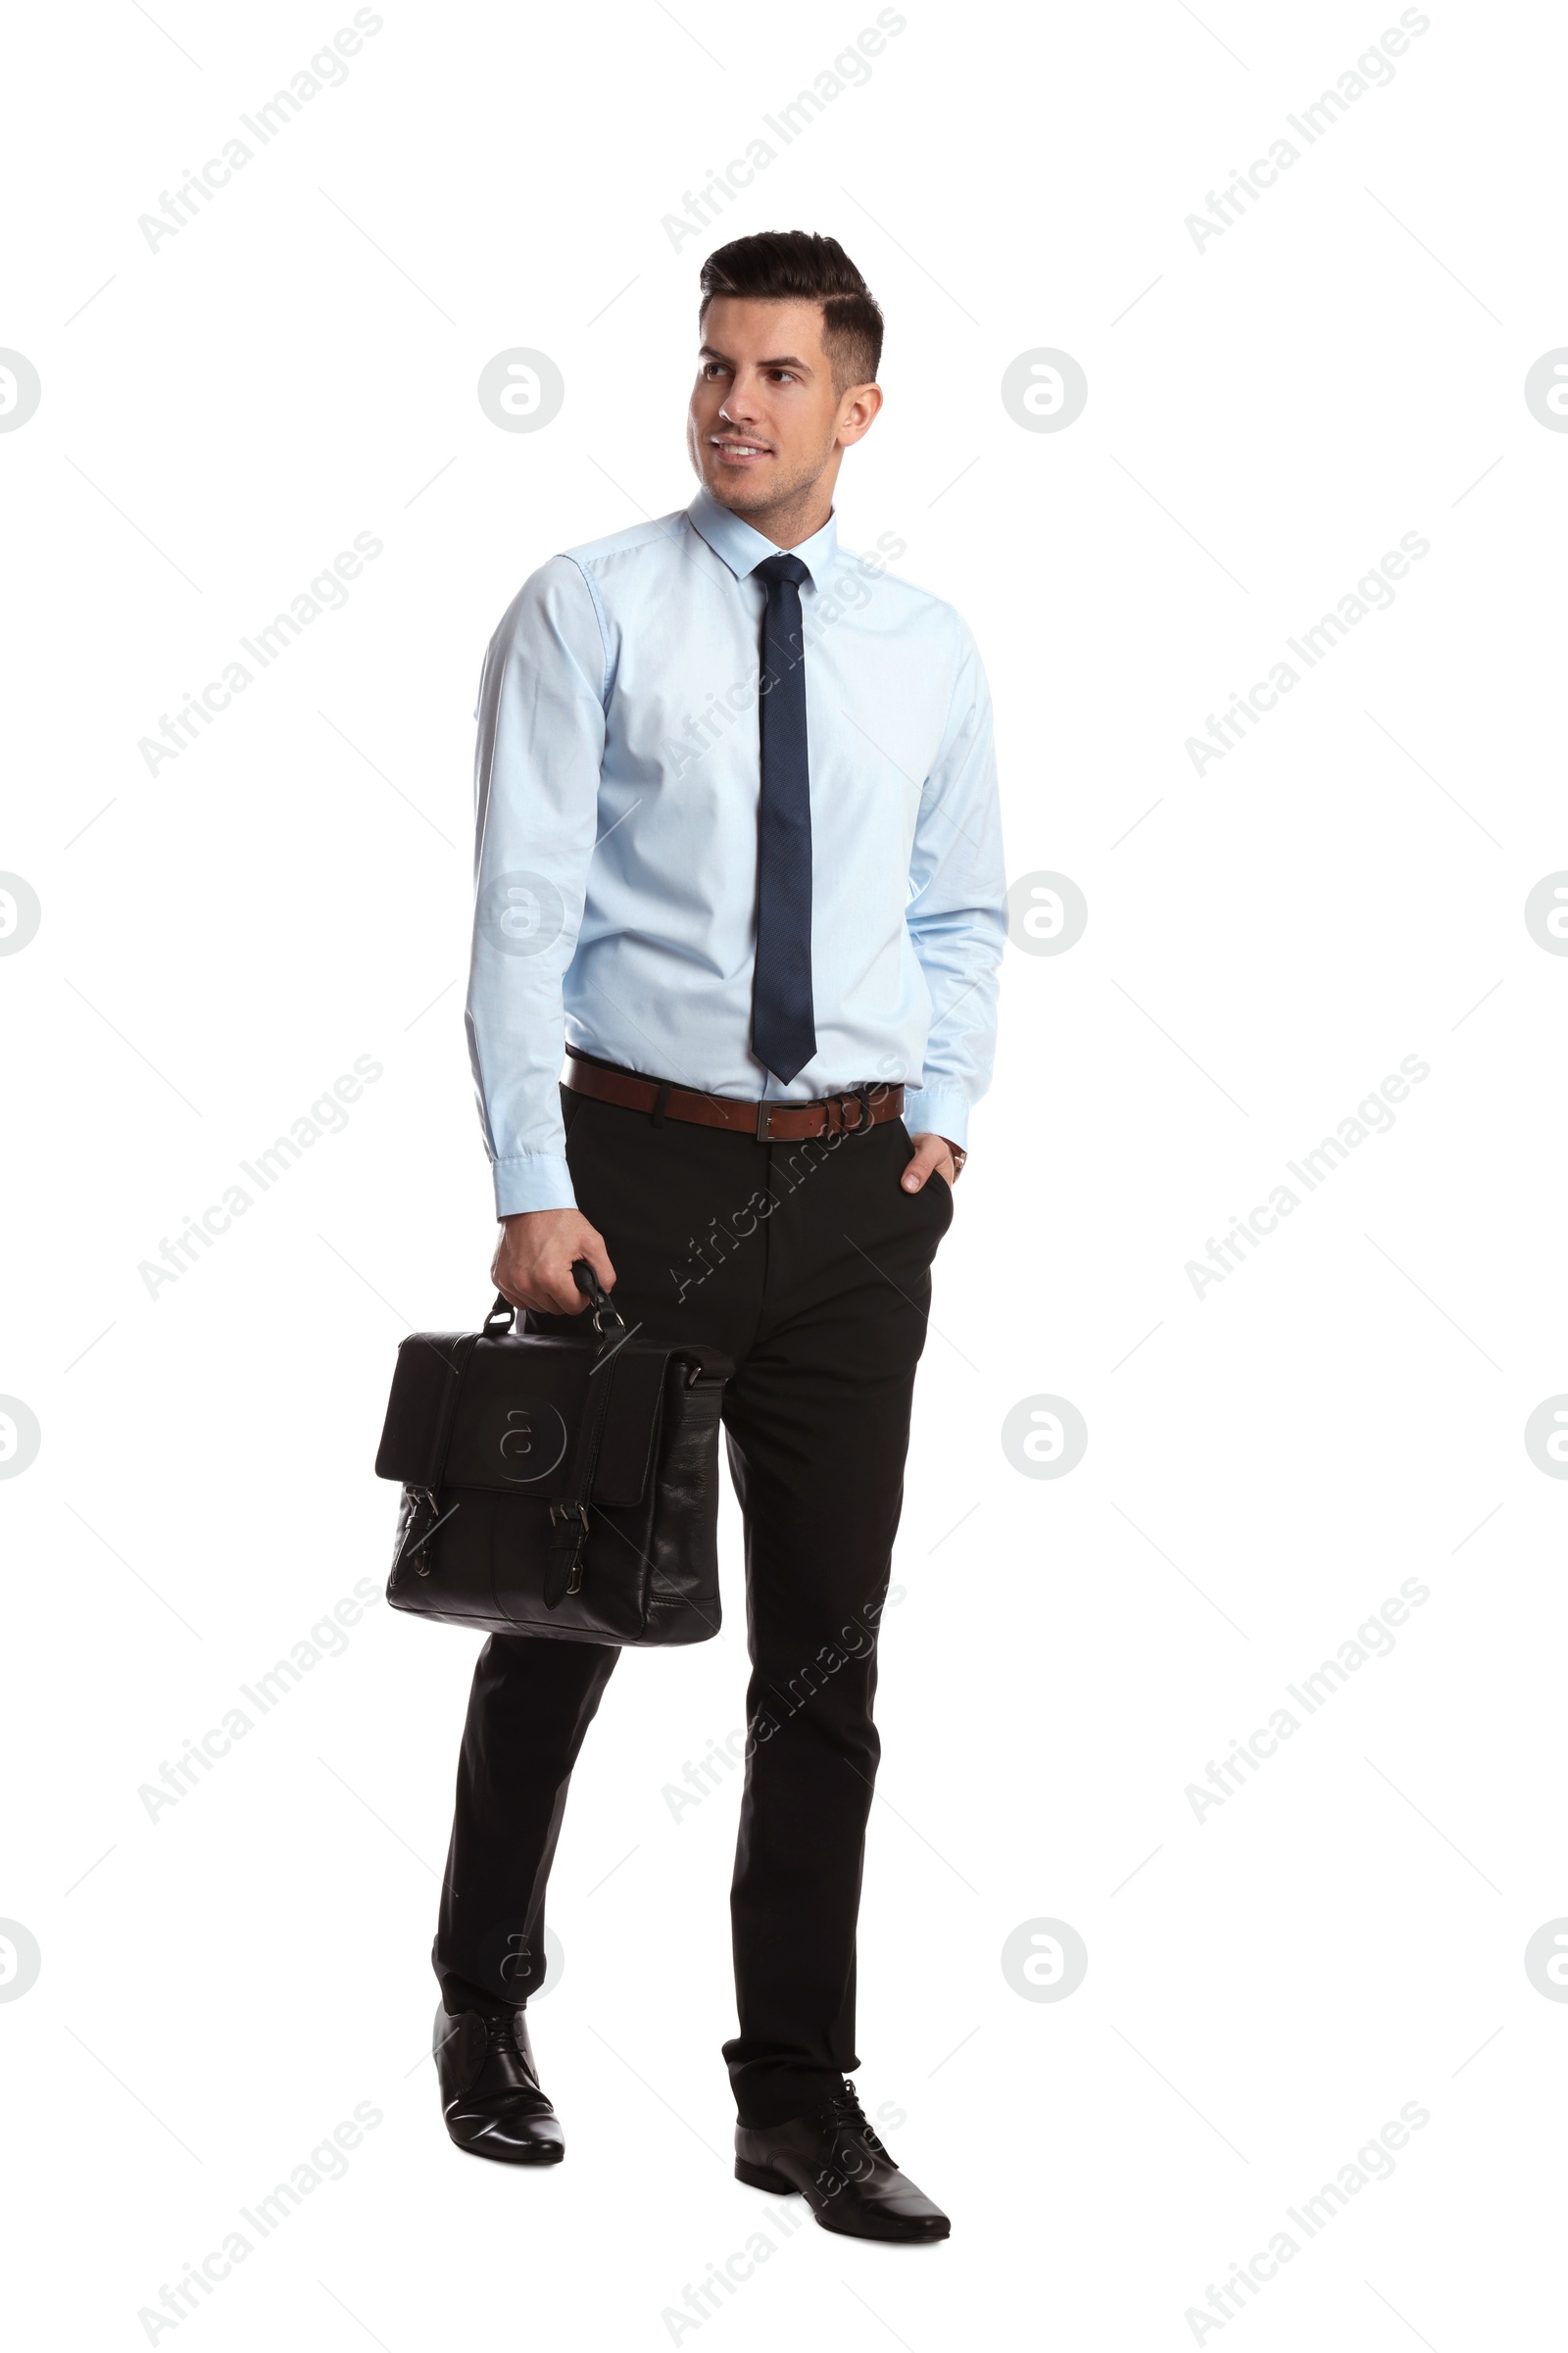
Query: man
[[738, 847]]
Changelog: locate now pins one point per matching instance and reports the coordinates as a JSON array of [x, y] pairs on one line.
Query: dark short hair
[[792, 265]]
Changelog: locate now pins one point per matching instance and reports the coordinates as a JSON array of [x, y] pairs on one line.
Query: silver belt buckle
[[765, 1131]]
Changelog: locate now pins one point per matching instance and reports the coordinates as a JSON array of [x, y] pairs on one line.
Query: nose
[[739, 407]]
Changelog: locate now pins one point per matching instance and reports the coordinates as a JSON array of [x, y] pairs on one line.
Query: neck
[[794, 519]]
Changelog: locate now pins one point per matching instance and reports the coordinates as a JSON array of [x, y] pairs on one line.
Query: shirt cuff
[[938, 1111], [534, 1180]]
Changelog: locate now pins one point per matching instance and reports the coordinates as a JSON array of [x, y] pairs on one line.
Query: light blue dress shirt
[[616, 782]]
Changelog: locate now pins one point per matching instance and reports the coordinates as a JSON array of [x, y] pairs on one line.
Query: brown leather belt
[[767, 1122]]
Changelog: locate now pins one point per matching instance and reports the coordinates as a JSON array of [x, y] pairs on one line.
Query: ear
[[857, 411]]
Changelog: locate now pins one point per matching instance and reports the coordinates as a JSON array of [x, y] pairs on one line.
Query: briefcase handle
[[607, 1316]]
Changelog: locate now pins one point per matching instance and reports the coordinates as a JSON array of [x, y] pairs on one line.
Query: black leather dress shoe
[[490, 2093], [835, 2160]]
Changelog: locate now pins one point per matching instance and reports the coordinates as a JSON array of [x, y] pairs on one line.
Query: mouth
[[739, 453]]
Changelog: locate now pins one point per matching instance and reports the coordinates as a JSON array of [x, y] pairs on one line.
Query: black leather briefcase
[[558, 1487]]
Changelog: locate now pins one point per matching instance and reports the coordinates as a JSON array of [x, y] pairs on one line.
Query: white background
[[1266, 1464]]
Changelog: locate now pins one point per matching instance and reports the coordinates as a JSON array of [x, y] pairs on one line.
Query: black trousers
[[809, 1266]]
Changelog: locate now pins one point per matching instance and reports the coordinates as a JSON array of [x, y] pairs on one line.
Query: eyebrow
[[709, 352]]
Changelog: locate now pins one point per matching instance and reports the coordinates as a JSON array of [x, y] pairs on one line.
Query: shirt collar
[[737, 544]]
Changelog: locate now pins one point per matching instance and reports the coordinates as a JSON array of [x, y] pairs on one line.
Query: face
[[766, 430]]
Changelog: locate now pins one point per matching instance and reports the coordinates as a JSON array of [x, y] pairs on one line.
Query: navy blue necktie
[[783, 1017]]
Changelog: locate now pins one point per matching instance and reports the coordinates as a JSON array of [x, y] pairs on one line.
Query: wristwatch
[[960, 1155]]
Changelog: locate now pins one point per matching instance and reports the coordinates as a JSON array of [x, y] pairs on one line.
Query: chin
[[741, 491]]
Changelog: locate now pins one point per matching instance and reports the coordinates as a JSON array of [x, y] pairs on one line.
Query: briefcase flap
[[508, 1413], [419, 1413]]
